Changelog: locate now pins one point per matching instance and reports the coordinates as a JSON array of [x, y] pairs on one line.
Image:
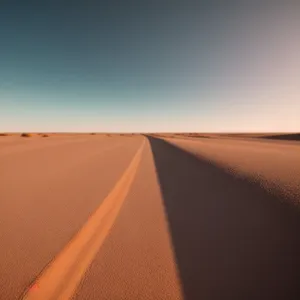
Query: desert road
[[143, 217]]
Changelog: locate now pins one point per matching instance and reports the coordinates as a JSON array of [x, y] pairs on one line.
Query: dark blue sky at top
[[103, 42], [116, 54]]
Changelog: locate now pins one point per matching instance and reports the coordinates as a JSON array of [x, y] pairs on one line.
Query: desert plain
[[149, 216]]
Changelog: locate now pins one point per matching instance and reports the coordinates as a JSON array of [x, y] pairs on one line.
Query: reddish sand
[[206, 219], [49, 187], [275, 165], [137, 260]]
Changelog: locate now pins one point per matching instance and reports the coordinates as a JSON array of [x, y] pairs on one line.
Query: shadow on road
[[232, 239]]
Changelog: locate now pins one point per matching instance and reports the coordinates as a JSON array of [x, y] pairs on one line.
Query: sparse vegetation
[[24, 134], [45, 135], [3, 134], [93, 133]]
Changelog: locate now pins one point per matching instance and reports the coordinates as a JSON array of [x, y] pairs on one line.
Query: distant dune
[[289, 137], [268, 135], [273, 136]]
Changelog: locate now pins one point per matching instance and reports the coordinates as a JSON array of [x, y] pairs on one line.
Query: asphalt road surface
[[96, 217]]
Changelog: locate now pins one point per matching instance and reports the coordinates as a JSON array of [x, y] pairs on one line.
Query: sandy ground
[[232, 238], [206, 219], [269, 136], [47, 193], [137, 260], [275, 165]]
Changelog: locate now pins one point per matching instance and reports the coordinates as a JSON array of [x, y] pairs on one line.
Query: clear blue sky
[[149, 66]]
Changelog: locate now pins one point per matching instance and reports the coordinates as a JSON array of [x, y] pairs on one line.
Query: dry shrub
[[45, 135], [3, 134], [26, 134], [93, 133]]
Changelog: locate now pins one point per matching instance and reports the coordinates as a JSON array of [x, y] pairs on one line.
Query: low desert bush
[[3, 134], [26, 134]]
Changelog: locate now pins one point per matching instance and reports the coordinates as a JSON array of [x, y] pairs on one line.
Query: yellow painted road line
[[60, 279]]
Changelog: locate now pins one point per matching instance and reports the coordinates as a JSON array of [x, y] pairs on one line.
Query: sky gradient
[[148, 66]]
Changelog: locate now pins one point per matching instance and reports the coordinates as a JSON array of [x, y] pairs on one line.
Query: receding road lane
[[47, 193]]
